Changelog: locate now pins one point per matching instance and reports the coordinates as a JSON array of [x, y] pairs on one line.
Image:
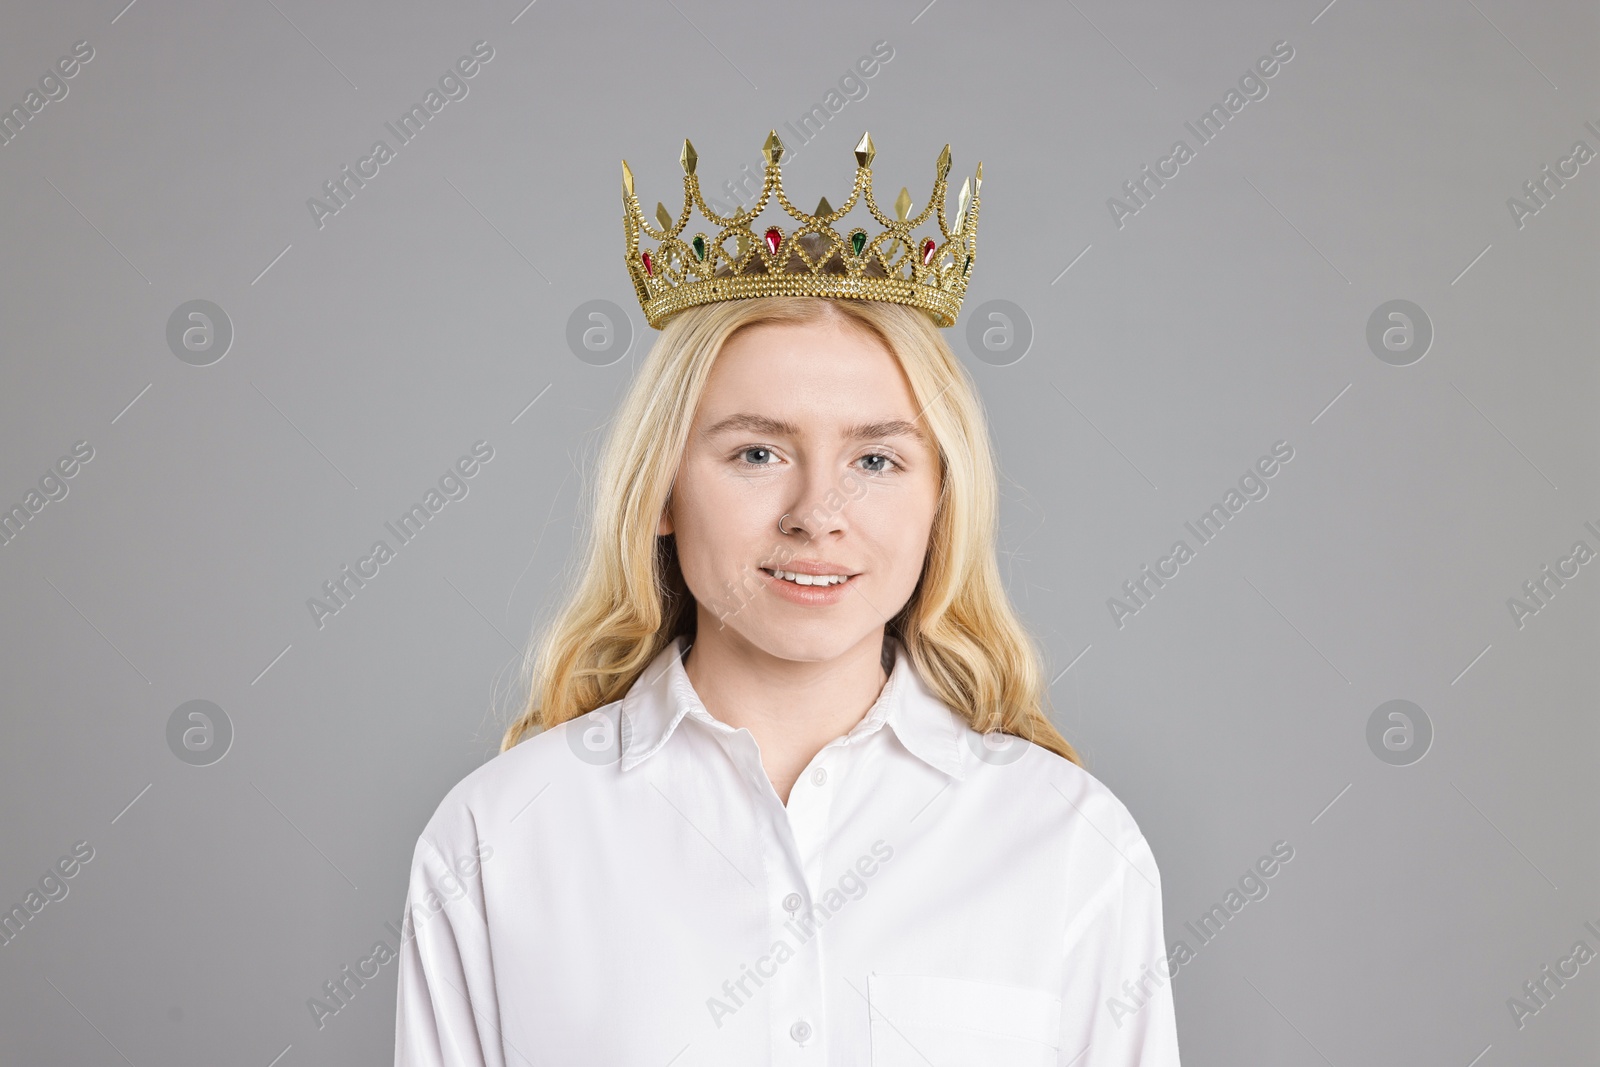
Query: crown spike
[[902, 204], [944, 163], [627, 179], [823, 207], [865, 150], [772, 149], [978, 184], [961, 205], [663, 216], [688, 157]]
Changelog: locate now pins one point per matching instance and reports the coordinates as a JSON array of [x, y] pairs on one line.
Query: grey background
[[369, 354]]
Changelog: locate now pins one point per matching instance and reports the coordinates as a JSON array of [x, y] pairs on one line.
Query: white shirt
[[627, 890]]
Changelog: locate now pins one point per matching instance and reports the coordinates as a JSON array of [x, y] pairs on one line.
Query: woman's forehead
[[808, 363], [822, 335]]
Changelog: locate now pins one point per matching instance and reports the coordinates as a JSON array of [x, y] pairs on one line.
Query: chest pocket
[[922, 1019]]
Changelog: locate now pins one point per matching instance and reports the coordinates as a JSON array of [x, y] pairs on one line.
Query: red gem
[[773, 239], [927, 251], [646, 257]]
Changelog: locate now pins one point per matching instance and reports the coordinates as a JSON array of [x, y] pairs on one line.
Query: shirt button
[[792, 902], [800, 1031], [819, 776]]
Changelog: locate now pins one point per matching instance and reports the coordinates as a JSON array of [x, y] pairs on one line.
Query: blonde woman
[[785, 790]]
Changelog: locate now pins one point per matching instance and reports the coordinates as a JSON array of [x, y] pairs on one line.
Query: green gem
[[699, 247], [967, 267], [858, 241]]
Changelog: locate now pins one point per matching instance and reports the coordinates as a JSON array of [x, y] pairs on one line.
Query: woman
[[792, 796]]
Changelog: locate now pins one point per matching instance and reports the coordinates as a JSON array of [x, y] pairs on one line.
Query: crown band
[[942, 306], [815, 259]]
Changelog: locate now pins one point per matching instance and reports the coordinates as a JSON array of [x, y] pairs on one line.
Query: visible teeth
[[810, 579]]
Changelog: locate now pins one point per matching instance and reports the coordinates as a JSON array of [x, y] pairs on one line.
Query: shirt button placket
[[799, 1036], [787, 989]]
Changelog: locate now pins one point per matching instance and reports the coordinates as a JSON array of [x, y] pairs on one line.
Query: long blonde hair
[[629, 600]]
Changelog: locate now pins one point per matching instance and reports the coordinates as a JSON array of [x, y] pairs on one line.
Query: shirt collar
[[662, 696]]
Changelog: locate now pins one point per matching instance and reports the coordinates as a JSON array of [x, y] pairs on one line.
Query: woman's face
[[815, 421]]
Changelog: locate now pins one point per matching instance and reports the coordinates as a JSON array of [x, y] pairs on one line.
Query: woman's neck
[[791, 707]]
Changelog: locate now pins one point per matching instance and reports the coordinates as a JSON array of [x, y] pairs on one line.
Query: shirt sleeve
[[447, 1013], [1118, 972]]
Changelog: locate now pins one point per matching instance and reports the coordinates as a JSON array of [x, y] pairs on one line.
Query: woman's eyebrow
[[886, 428], [778, 427], [754, 424]]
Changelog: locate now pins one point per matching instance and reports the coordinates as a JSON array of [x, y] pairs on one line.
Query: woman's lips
[[810, 595]]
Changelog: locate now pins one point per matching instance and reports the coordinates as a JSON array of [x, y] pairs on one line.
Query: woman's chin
[[803, 640]]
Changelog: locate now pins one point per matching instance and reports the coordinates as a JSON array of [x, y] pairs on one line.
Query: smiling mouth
[[809, 579]]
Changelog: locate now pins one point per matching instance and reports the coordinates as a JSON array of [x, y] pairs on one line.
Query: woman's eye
[[760, 456]]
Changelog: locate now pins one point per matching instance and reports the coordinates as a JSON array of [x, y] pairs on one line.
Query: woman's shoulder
[[1068, 800], [500, 790], [1091, 797]]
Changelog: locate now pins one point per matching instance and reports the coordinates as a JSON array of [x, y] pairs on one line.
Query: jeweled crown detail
[[811, 259]]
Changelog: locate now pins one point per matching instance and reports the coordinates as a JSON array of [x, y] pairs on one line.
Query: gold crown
[[812, 260]]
